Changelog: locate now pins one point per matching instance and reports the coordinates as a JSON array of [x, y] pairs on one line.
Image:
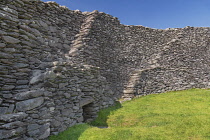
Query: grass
[[180, 115], [72, 133], [101, 120]]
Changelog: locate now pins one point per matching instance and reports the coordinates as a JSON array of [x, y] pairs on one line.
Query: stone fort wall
[[59, 67]]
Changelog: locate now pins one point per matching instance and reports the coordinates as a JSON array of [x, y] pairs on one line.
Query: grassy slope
[[174, 115]]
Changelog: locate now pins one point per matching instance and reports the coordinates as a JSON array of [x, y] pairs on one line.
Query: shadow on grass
[[72, 133], [103, 115]]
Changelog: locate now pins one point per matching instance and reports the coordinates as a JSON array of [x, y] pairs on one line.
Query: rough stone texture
[[86, 101], [29, 94], [13, 117], [12, 125], [29, 104], [59, 67], [10, 39]]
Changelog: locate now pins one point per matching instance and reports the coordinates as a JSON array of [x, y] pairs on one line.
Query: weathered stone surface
[[3, 110], [67, 95], [43, 24], [29, 104], [12, 125], [85, 101], [46, 65], [2, 45], [22, 82], [45, 129], [3, 32], [61, 85], [76, 108], [13, 117], [41, 131], [8, 87], [32, 127], [67, 112], [5, 134], [80, 119], [37, 77], [29, 94], [22, 87], [10, 39], [12, 11], [11, 108], [50, 75], [10, 50], [20, 65], [6, 55], [1, 100], [8, 17], [55, 123]]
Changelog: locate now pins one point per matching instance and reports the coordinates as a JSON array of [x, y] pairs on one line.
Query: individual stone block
[[67, 95], [85, 101], [29, 104], [8, 87], [32, 127], [55, 123], [13, 117], [37, 77], [39, 131], [7, 96], [11, 108], [7, 17], [67, 112], [61, 85], [6, 55], [22, 82], [10, 50], [10, 39], [9, 10], [12, 125], [1, 100], [3, 110], [43, 24], [29, 94], [2, 45], [45, 129], [20, 65], [5, 134]]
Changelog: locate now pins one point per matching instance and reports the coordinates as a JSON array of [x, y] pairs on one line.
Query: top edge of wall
[[55, 4]]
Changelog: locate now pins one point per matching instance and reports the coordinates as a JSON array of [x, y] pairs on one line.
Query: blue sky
[[159, 14]]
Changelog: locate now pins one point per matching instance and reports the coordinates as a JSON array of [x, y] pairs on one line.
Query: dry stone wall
[[59, 67], [179, 63], [42, 91]]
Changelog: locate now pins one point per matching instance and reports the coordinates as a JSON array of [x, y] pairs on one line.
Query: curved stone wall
[[59, 67]]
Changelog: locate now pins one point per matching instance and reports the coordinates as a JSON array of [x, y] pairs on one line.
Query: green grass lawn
[[180, 115]]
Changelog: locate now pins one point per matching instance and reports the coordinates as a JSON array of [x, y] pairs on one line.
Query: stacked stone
[[60, 67], [74, 87], [98, 47], [178, 64], [34, 101], [159, 80], [13, 71]]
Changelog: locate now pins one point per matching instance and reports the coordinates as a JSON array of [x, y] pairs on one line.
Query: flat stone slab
[[29, 104], [13, 117], [29, 94], [86, 101], [10, 39]]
